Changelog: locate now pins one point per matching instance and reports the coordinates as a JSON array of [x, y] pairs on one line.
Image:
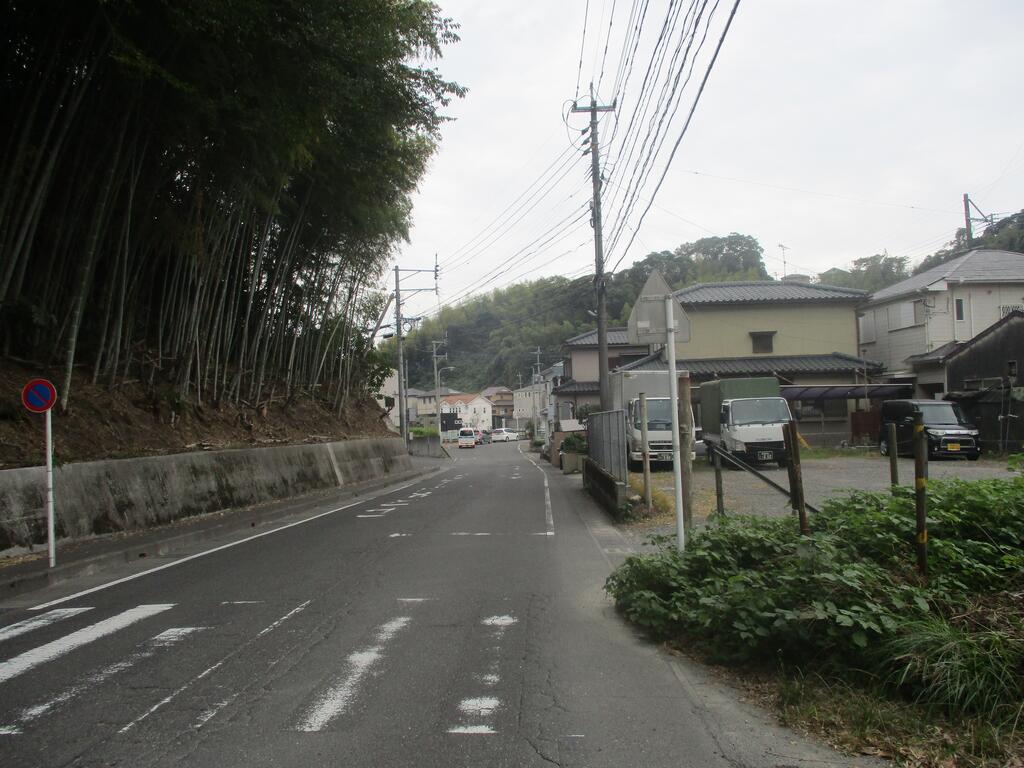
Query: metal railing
[[606, 442]]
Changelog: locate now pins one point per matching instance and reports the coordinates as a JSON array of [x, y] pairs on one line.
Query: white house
[[950, 303], [474, 410]]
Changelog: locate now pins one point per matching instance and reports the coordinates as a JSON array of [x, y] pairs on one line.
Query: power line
[[686, 125], [583, 42]]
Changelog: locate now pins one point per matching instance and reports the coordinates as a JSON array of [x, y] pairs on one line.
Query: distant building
[[502, 403], [910, 327]]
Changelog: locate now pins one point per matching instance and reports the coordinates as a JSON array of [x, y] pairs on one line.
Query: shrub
[[848, 596], [574, 443]]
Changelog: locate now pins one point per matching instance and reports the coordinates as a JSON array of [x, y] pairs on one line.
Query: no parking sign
[[39, 396]]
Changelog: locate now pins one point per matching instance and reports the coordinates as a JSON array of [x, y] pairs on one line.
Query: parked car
[[478, 435], [467, 438], [948, 431], [502, 435], [485, 436]]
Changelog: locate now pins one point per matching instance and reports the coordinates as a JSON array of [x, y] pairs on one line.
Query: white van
[[467, 438]]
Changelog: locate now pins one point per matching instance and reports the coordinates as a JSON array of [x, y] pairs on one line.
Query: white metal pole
[[673, 393], [51, 540]]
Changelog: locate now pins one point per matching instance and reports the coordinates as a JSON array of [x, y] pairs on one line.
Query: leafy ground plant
[[846, 603]]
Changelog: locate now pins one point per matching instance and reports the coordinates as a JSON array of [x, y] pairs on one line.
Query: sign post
[[658, 317], [39, 396]]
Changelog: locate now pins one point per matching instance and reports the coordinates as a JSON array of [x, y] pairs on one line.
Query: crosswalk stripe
[[165, 639], [44, 653], [337, 698], [45, 619]]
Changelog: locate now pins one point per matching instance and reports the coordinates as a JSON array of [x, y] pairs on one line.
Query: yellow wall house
[[804, 334]]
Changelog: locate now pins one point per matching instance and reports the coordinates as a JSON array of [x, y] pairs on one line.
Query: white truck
[[744, 417], [626, 388]]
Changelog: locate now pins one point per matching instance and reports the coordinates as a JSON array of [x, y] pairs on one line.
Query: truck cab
[[751, 428], [745, 417]]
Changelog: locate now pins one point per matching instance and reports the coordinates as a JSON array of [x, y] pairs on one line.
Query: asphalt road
[[455, 621]]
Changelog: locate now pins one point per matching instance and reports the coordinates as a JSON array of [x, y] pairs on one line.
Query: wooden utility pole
[[403, 417], [967, 218], [599, 280], [894, 454]]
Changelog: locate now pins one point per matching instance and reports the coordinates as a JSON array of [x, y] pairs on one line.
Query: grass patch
[[844, 609]]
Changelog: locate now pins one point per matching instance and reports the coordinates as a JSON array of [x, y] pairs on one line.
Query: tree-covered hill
[[492, 339]]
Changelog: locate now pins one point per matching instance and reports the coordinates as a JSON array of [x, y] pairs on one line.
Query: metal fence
[[606, 442]]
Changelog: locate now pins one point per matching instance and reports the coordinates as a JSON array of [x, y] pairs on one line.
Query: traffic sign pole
[[39, 396], [51, 539]]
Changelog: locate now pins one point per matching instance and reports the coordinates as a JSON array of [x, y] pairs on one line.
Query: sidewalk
[[97, 555]]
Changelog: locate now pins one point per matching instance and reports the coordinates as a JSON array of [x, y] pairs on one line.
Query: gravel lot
[[823, 478]]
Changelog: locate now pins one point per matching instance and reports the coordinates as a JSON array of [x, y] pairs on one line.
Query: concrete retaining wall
[[606, 490], [427, 446], [127, 494]]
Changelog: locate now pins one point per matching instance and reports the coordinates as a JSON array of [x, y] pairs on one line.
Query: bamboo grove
[[202, 195]]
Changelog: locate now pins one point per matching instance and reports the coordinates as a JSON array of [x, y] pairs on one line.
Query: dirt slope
[[133, 422]]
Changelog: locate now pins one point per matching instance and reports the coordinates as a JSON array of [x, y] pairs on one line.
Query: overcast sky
[[838, 129]]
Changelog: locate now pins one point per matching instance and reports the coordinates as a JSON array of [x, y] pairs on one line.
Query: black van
[[948, 430]]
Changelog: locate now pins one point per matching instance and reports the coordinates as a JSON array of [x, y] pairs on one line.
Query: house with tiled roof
[[803, 333], [578, 383], [913, 326], [473, 410]]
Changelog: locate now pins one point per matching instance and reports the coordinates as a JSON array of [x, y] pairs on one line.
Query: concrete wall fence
[[128, 494]]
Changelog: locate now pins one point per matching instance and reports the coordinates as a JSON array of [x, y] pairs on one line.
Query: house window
[[905, 314], [866, 324], [958, 309], [1005, 309], [818, 409], [762, 342]]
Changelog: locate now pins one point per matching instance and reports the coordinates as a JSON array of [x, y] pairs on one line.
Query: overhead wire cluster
[[655, 102]]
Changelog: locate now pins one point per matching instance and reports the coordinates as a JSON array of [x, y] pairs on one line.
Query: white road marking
[[204, 553], [548, 517], [9, 730], [472, 729], [165, 639], [499, 621], [399, 535], [35, 622], [210, 670], [467, 533], [242, 602], [414, 599], [361, 516], [481, 706], [338, 697], [44, 653], [209, 714], [490, 679]]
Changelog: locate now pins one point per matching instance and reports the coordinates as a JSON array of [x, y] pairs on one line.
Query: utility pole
[[599, 280], [783, 248], [403, 414], [967, 218], [535, 394], [437, 381], [403, 417]]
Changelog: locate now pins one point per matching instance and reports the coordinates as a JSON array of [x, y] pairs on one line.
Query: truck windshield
[[760, 410], [659, 414], [942, 413]]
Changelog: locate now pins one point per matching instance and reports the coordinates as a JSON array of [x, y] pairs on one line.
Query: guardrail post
[[648, 505], [796, 480], [894, 464], [686, 422], [719, 491], [921, 492]]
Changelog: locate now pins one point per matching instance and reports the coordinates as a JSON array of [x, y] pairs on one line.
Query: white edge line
[[197, 555]]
